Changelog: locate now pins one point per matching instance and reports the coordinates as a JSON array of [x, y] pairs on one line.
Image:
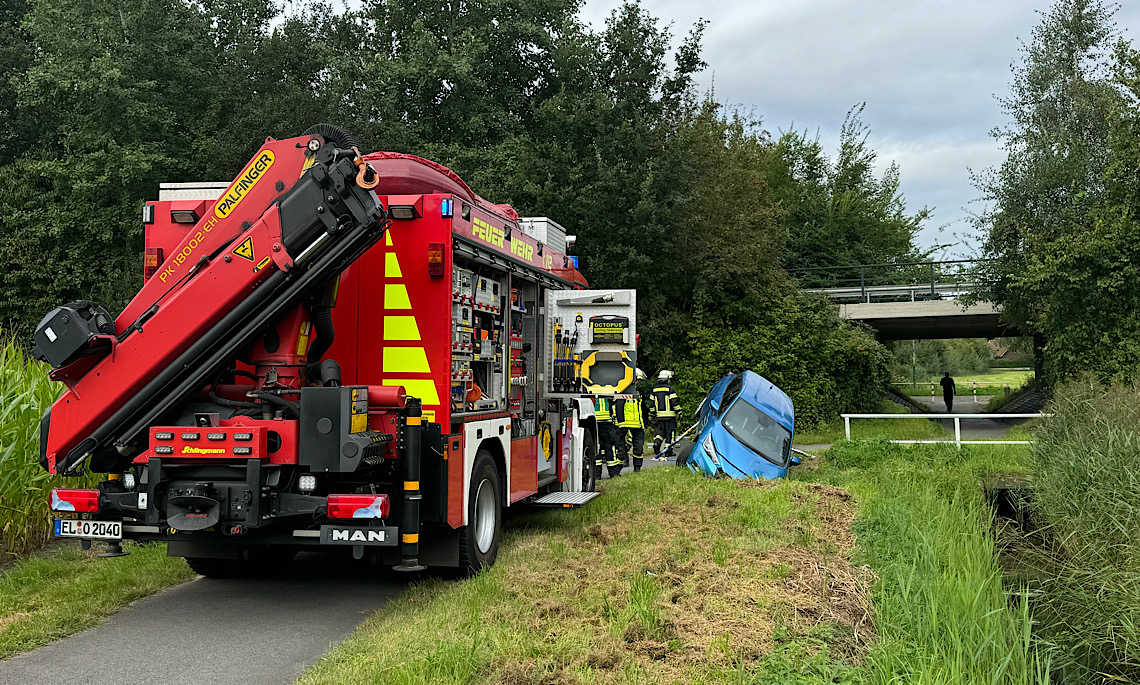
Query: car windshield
[[758, 431]]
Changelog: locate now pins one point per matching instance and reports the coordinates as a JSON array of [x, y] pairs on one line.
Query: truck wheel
[[589, 455], [479, 539]]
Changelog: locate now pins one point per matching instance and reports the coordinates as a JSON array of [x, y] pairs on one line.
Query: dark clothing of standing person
[[666, 409], [948, 390], [607, 438]]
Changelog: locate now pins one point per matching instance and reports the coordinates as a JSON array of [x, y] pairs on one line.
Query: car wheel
[[479, 539], [683, 454]]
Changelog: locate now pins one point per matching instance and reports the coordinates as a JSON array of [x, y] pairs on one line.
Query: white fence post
[[847, 426], [958, 431]]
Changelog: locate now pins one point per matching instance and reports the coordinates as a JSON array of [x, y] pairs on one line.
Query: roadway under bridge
[[910, 301]]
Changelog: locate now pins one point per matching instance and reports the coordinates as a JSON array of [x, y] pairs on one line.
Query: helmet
[[665, 375], [639, 374]]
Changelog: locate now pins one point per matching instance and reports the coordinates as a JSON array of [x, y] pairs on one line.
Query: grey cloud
[[928, 71]]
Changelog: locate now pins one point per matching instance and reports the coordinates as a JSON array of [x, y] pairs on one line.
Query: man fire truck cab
[[332, 349]]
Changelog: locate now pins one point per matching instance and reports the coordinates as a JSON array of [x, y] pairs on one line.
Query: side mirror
[[714, 405], [526, 348], [796, 461]]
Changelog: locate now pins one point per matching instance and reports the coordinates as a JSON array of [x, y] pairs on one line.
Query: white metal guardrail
[[958, 441]]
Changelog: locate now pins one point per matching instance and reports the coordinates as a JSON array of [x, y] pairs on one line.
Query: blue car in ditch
[[744, 430]]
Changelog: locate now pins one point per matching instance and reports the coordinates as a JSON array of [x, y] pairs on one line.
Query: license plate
[[93, 530]]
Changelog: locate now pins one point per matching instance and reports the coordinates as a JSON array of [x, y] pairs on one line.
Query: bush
[[1087, 474], [825, 364]]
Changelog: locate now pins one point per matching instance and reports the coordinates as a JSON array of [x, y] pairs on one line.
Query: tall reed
[[26, 394]]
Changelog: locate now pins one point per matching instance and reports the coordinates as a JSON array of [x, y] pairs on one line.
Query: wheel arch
[[499, 458]]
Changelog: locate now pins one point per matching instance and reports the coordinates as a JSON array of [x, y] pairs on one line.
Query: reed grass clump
[[27, 393], [1087, 494]]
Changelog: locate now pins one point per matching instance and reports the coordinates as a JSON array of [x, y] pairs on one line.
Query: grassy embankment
[[51, 594], [873, 429], [667, 578], [674, 578], [942, 614]]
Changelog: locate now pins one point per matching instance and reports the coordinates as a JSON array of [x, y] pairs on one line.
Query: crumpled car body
[[744, 429]]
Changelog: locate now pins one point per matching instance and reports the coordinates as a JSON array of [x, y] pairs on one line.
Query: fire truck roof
[[405, 174]]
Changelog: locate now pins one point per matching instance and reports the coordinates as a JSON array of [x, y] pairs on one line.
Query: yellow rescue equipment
[[607, 372]]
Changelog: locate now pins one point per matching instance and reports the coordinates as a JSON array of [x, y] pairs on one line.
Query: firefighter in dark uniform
[[607, 438], [630, 423], [666, 409]]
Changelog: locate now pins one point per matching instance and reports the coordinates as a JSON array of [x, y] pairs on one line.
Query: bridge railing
[[904, 280]]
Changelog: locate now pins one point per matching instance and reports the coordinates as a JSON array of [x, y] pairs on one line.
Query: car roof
[[765, 396]]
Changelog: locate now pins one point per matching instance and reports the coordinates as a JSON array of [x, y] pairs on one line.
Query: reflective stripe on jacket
[[665, 401], [602, 407], [629, 413]]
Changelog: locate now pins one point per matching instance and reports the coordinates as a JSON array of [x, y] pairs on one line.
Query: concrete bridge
[[909, 301]]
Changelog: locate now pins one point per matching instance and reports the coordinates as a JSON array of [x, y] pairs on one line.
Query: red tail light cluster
[[435, 260], [152, 259], [358, 506], [79, 501]]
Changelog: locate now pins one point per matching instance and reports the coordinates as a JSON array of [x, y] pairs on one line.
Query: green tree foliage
[[932, 358], [602, 129], [1062, 232], [839, 213]]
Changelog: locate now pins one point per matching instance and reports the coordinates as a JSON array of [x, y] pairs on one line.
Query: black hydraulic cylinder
[[410, 521]]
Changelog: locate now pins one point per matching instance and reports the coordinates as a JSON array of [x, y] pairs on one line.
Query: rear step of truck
[[565, 499]]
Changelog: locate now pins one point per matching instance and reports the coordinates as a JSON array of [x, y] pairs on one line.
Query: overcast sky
[[928, 71]]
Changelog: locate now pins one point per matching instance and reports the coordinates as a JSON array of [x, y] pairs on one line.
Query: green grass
[[873, 429], [942, 614], [24, 485], [964, 383], [669, 577], [58, 592]]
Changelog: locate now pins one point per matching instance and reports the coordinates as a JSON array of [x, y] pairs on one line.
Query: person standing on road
[[630, 423], [948, 390], [607, 438], [666, 409]]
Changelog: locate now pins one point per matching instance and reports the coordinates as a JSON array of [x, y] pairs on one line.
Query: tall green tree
[[1061, 230], [839, 212]]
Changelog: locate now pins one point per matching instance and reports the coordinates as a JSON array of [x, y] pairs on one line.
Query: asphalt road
[[972, 429], [256, 631]]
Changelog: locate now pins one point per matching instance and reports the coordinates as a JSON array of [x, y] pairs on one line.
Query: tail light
[[152, 259], [435, 260], [358, 506], [80, 501]]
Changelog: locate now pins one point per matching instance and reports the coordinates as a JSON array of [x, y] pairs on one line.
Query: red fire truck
[[332, 349]]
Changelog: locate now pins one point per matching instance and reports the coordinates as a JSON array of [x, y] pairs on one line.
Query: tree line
[[696, 205], [1062, 229]]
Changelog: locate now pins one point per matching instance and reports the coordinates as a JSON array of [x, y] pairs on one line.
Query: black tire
[[479, 539], [683, 454], [251, 562], [589, 455]]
